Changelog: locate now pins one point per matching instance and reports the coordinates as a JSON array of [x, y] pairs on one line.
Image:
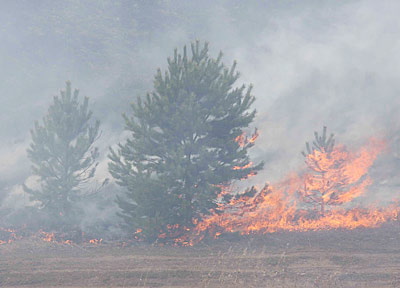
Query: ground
[[358, 258]]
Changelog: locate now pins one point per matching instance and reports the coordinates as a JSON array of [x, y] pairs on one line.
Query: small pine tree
[[327, 180], [63, 156], [185, 144]]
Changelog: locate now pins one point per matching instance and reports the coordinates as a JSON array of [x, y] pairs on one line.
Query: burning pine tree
[[335, 177]]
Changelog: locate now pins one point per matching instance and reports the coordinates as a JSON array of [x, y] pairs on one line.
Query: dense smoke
[[312, 63]]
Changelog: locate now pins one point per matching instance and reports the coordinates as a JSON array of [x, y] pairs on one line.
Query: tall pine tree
[[63, 157], [184, 144]]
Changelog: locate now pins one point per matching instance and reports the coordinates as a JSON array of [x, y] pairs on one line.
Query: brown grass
[[361, 258]]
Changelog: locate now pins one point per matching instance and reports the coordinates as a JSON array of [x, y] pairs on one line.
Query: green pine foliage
[[321, 143], [183, 145], [63, 156]]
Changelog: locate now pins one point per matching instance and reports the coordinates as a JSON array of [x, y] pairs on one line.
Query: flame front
[[332, 180]]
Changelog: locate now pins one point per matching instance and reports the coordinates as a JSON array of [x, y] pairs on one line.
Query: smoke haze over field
[[312, 63]]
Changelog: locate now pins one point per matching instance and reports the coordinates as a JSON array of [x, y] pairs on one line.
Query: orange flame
[[335, 178], [243, 140], [51, 237], [243, 167], [47, 236], [96, 241], [11, 237], [338, 176]]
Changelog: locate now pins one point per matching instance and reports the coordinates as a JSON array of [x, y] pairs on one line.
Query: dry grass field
[[359, 258]]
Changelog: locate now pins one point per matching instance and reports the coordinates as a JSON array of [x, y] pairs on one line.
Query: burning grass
[[9, 236], [319, 198]]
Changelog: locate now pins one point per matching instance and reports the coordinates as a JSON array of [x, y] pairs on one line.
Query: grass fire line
[[333, 178], [11, 235]]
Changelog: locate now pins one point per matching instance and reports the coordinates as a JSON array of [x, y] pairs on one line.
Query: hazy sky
[[334, 63]]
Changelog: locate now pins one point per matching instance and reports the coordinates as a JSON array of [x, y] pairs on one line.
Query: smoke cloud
[[311, 64]]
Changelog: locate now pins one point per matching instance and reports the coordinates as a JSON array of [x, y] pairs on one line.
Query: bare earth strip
[[359, 258]]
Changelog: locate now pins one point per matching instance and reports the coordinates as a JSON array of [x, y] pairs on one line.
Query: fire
[[47, 236], [243, 140], [321, 197], [51, 237], [337, 176], [43, 235], [96, 241], [334, 178], [11, 235], [243, 167]]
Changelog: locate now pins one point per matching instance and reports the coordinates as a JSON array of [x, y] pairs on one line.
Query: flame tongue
[[334, 179]]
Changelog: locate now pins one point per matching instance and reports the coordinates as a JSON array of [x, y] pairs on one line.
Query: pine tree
[[63, 156], [186, 143], [327, 179]]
